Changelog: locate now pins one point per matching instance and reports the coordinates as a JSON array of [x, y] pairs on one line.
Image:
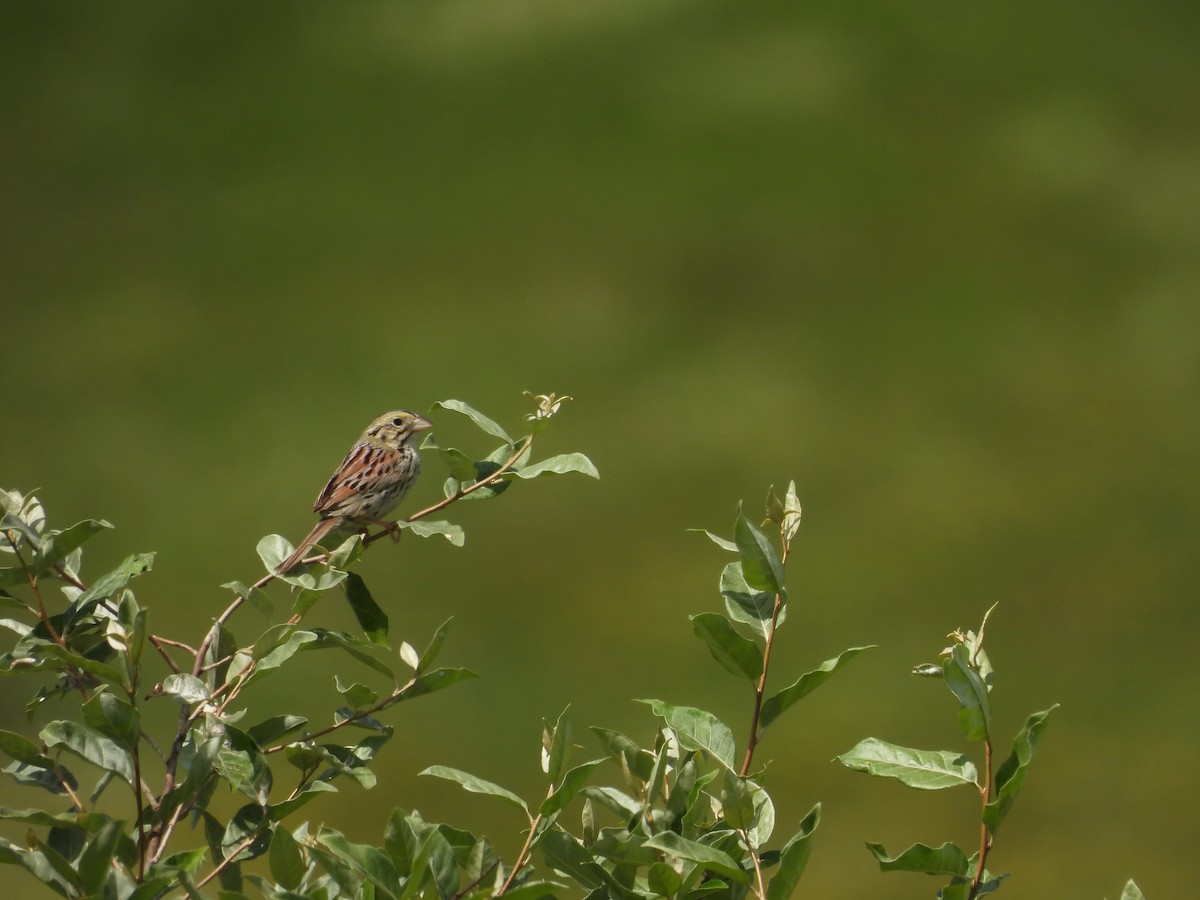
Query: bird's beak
[[419, 423]]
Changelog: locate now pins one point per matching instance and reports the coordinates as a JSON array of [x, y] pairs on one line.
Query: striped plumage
[[374, 477]]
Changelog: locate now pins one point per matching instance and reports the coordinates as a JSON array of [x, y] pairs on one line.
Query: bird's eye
[[397, 421]]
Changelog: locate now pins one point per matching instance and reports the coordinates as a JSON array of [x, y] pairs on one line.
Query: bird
[[372, 479]]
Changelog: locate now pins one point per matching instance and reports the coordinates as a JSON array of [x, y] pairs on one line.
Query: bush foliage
[[688, 816]]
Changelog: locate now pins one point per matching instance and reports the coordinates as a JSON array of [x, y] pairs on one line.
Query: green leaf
[[750, 607], [556, 746], [246, 823], [708, 857], [735, 652], [1132, 891], [280, 811], [928, 770], [794, 857], [976, 714], [480, 420], [51, 866], [476, 785], [427, 528], [719, 541], [257, 596], [663, 880], [559, 465], [287, 864], [763, 823], [347, 552], [760, 561], [357, 695], [697, 730], [372, 619], [807, 683], [436, 680], [90, 745], [21, 748], [791, 514], [436, 856], [459, 464], [737, 806], [185, 687], [107, 585], [564, 854], [113, 717], [278, 644], [326, 640], [947, 859], [626, 751], [435, 645], [621, 804], [572, 784], [273, 549], [106, 673], [57, 546], [1011, 774], [96, 861], [371, 862], [272, 729]]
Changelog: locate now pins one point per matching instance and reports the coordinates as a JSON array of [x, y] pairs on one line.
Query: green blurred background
[[939, 264]]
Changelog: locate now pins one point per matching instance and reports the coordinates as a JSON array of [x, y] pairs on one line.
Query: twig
[[44, 617], [761, 687], [523, 857], [229, 857], [478, 881], [758, 876], [985, 837]]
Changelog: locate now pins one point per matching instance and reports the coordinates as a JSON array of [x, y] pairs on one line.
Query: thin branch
[[75, 675], [985, 837], [523, 857], [229, 857], [478, 881], [758, 875], [761, 688], [351, 719]]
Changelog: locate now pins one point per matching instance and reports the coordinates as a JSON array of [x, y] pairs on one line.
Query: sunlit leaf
[[807, 683], [719, 541], [1011, 774], [708, 857], [697, 730], [476, 785], [734, 651], [559, 465], [556, 746], [572, 782], [746, 605], [929, 770], [947, 859], [269, 730], [90, 745], [287, 864], [187, 688], [794, 857], [480, 420], [430, 528], [975, 716], [760, 560], [113, 717]]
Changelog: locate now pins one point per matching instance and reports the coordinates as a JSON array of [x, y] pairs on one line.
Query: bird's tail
[[319, 531]]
